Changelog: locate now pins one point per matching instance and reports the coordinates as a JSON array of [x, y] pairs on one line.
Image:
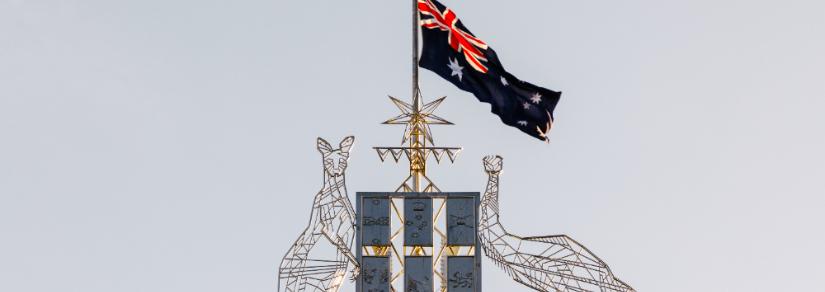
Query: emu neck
[[490, 199]]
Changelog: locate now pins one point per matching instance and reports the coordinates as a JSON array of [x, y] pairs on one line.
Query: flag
[[454, 53]]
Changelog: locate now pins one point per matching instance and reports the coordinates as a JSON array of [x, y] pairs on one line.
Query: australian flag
[[455, 54]]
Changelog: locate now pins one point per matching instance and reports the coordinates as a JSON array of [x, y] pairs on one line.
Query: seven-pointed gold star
[[421, 120]]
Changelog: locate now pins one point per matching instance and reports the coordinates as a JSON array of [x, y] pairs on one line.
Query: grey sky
[[169, 145]]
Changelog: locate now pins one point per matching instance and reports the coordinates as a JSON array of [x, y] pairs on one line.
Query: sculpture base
[[418, 242]]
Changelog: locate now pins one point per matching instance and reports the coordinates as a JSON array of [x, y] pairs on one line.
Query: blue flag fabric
[[454, 53]]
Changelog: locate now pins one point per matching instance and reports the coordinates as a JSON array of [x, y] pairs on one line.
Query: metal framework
[[417, 117], [319, 258], [543, 263]]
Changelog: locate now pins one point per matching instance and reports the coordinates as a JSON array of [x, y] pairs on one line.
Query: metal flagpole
[[418, 160], [415, 25]]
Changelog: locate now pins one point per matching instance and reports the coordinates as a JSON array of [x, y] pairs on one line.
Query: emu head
[[335, 160], [493, 164]]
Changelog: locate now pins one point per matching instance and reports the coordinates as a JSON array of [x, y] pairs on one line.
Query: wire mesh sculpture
[[312, 264], [544, 263]]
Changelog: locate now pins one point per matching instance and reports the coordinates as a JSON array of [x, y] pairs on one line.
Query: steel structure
[[319, 258], [543, 263], [417, 118]]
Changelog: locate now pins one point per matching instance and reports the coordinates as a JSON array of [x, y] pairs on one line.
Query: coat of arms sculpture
[[418, 238]]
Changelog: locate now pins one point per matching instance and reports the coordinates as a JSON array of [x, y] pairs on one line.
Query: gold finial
[[417, 134], [417, 119]]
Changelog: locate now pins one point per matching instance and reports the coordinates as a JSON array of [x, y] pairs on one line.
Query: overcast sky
[[170, 145]]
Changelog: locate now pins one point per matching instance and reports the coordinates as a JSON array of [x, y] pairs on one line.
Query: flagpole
[[416, 165], [415, 25]]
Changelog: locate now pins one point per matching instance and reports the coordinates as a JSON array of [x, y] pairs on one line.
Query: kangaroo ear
[[347, 143], [324, 147]]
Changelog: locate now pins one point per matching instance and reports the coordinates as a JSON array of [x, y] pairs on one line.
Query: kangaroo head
[[492, 164], [335, 160]]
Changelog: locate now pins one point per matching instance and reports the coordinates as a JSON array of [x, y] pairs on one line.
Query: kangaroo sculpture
[[544, 263], [313, 264]]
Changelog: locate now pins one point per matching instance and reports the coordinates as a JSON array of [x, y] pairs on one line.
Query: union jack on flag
[[459, 39], [449, 48]]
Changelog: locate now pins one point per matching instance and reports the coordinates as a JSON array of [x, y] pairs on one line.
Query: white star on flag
[[526, 105], [536, 98], [504, 81], [522, 123], [456, 68]]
